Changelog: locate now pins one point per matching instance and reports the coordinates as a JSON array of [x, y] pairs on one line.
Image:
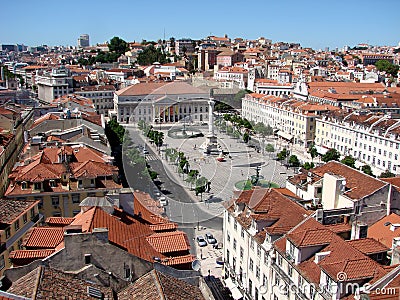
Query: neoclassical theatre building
[[163, 102]]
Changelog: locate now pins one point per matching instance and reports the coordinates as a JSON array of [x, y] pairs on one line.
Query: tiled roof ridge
[[159, 285], [38, 280]]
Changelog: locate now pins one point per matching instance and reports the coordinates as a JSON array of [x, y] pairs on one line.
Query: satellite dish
[[196, 265], [76, 110]]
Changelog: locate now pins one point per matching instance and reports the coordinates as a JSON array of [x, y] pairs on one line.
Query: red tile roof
[[165, 242], [368, 246], [385, 234], [44, 237], [59, 221]]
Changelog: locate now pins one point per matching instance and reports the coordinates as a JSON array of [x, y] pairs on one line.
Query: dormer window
[[52, 183], [24, 185], [92, 182], [37, 186], [80, 183]]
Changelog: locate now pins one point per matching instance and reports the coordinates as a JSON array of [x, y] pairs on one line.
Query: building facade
[[53, 84], [161, 103], [16, 218]]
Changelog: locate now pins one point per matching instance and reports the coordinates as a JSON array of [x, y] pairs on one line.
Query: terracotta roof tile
[[165, 242], [385, 234], [10, 210], [368, 246], [59, 221], [44, 237]]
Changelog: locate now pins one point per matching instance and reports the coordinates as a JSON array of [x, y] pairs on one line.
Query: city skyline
[[316, 25]]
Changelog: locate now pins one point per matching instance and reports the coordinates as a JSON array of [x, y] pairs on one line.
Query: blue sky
[[313, 23]]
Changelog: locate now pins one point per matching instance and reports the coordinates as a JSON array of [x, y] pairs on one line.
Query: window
[[252, 244], [24, 185], [227, 256], [234, 263], [20, 244], [16, 225], [75, 198], [2, 262], [279, 260], [37, 185], [32, 212], [290, 270], [251, 264], [258, 250], [8, 232], [265, 280], [235, 225], [234, 244], [80, 182], [258, 272], [25, 218], [55, 201], [53, 183], [228, 237], [241, 253], [242, 233], [229, 218], [92, 181]]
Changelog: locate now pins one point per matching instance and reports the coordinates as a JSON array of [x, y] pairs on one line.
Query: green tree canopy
[[150, 55], [282, 155], [262, 129], [118, 46], [387, 174], [367, 170], [349, 161], [385, 66], [332, 154], [269, 148], [294, 161], [308, 165], [313, 152]]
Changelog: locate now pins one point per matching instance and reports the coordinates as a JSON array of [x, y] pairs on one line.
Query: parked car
[[145, 151], [201, 241], [163, 201], [210, 238]]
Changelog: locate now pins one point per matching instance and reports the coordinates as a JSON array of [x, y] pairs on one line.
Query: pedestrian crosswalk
[[150, 157]]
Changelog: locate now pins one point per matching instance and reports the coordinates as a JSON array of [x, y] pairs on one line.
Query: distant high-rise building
[[83, 41]]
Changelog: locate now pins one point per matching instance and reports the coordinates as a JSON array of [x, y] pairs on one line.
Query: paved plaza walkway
[[240, 164]]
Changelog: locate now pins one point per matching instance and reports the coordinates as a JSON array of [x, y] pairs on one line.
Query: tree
[[294, 161], [269, 148], [150, 55], [192, 177], [385, 66], [308, 165], [282, 155], [313, 152], [263, 130], [332, 154], [201, 185], [367, 170], [114, 132], [387, 174], [349, 161], [118, 46], [246, 137]]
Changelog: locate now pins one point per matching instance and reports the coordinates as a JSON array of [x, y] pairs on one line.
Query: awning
[[321, 150], [229, 283], [236, 294], [285, 135]]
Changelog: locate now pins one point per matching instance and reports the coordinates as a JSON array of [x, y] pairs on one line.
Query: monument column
[[211, 104]]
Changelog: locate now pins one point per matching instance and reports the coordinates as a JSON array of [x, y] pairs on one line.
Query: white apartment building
[[294, 120], [252, 223], [102, 97], [53, 84], [275, 249], [370, 138], [163, 102], [270, 87], [232, 74]]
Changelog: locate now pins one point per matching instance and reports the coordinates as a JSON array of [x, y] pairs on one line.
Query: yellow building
[[16, 218], [60, 177]]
